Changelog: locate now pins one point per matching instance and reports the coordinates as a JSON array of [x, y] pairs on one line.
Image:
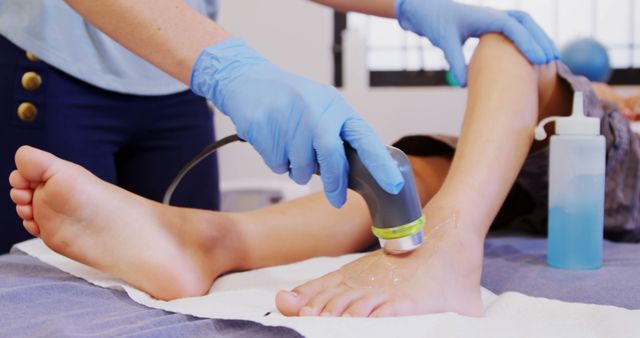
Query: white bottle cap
[[576, 124]]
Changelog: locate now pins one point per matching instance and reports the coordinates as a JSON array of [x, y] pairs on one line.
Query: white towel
[[250, 295]]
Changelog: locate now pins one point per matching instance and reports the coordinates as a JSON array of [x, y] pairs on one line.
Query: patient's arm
[[629, 106]]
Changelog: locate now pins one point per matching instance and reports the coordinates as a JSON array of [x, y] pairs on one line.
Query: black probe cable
[[210, 149]]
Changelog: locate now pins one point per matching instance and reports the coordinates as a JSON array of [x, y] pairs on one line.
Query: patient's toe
[[35, 165], [338, 304], [387, 310], [17, 181], [365, 305], [31, 227], [318, 302], [288, 303], [21, 196], [25, 211], [291, 303]]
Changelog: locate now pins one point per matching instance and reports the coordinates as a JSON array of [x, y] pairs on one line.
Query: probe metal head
[[402, 245]]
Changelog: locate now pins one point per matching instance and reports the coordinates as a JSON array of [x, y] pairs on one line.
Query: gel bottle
[[576, 190]]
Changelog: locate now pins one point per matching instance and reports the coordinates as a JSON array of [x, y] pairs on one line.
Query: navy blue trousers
[[136, 142]]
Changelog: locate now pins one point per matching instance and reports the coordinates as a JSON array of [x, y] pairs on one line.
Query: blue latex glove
[[448, 25], [292, 122]]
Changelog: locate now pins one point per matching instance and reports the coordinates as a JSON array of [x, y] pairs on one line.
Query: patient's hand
[[629, 106], [632, 104], [442, 275], [605, 92]]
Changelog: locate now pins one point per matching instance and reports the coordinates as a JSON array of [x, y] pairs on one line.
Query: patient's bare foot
[[442, 275], [168, 252]]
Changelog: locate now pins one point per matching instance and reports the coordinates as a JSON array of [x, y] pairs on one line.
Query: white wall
[[297, 35], [294, 34]]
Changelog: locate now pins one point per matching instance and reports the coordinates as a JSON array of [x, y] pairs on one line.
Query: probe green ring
[[401, 230]]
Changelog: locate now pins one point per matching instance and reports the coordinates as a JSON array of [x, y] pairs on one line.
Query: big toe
[[289, 303], [34, 164]]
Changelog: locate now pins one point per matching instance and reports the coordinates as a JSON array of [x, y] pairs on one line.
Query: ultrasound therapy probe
[[398, 221]]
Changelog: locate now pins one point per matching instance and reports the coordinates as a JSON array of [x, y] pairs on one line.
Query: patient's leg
[[166, 251], [444, 273], [172, 252]]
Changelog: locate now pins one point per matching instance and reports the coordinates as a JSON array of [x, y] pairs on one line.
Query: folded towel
[[250, 296]]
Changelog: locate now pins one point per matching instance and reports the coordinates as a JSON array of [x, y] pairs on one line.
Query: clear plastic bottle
[[576, 190]]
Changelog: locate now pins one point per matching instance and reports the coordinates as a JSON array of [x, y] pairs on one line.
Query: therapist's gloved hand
[[294, 123], [448, 25]]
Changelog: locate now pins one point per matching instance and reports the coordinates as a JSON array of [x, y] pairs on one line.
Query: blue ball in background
[[587, 57]]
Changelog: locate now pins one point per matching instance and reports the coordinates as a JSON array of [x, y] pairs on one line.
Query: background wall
[[297, 35]]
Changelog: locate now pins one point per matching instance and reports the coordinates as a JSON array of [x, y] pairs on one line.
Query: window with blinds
[[399, 58]]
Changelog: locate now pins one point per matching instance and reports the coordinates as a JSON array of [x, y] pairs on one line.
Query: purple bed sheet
[[37, 300]]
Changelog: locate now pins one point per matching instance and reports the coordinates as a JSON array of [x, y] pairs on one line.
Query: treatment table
[[38, 300]]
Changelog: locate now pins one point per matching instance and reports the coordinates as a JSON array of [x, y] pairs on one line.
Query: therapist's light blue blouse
[[58, 35]]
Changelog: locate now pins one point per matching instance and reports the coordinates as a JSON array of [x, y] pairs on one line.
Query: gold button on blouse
[[27, 111], [32, 57], [31, 81]]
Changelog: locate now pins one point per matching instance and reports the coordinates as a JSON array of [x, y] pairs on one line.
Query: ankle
[[465, 256], [470, 217], [448, 228], [215, 238]]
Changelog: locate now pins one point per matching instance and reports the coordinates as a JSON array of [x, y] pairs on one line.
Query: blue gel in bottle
[[576, 225], [576, 190]]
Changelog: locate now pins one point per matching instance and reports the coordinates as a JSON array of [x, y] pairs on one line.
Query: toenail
[[346, 315], [294, 294], [306, 311], [326, 314]]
